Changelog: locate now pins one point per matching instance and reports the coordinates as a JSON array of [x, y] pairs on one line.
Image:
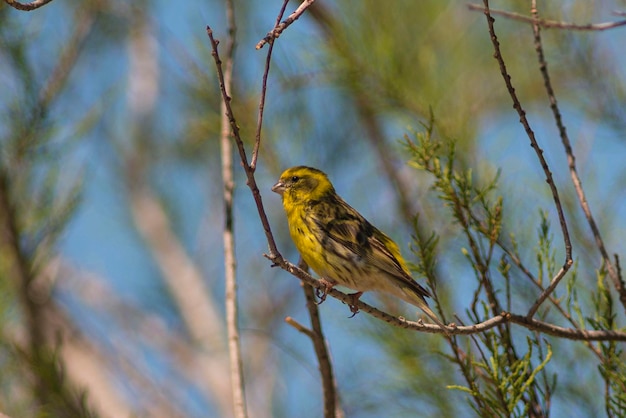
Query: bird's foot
[[352, 304], [323, 292]]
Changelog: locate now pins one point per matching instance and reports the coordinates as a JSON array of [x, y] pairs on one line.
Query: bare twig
[[232, 327], [549, 24], [332, 409], [571, 162], [278, 29], [268, 60], [27, 7], [544, 165], [242, 151], [301, 328]]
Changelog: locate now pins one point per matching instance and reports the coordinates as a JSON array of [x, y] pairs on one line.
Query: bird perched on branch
[[340, 245]]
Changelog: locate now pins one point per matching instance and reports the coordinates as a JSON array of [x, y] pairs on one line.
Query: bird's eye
[[295, 178]]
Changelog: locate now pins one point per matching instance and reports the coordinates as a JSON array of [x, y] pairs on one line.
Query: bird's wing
[[362, 240]]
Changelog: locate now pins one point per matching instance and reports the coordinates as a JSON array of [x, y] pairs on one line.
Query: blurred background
[[110, 184]]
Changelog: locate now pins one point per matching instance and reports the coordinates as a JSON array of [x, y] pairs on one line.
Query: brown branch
[[332, 409], [544, 165], [251, 181], [268, 60], [278, 29], [571, 162], [503, 317], [27, 7], [299, 327], [525, 271], [546, 23]]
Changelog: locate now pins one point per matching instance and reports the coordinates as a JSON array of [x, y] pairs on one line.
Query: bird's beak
[[279, 188]]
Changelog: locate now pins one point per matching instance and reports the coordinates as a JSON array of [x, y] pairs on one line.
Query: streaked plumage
[[339, 244]]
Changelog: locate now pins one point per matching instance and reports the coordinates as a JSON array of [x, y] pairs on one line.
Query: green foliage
[[506, 384], [546, 255], [499, 379], [613, 361]]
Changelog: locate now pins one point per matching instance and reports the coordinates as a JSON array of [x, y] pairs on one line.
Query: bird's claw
[[352, 304], [322, 292]]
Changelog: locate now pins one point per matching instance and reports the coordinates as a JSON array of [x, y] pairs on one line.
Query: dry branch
[[278, 29], [547, 23], [544, 164]]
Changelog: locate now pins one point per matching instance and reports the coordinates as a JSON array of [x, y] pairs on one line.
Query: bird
[[340, 245]]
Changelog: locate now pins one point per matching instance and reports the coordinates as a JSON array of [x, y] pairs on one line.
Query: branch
[[332, 409], [571, 162], [268, 59], [546, 23], [278, 29], [544, 165], [27, 7], [232, 327], [502, 318], [299, 327], [251, 181]]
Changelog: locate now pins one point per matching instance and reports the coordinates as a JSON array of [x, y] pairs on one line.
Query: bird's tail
[[420, 302]]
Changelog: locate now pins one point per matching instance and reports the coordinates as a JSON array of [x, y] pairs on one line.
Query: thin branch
[[299, 327], [571, 162], [332, 408], [251, 181], [232, 326], [278, 29], [503, 317], [27, 7], [266, 72], [544, 165], [546, 23]]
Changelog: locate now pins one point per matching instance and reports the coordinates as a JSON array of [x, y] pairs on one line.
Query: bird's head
[[302, 184]]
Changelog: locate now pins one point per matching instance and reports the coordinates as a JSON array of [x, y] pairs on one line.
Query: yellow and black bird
[[340, 245]]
